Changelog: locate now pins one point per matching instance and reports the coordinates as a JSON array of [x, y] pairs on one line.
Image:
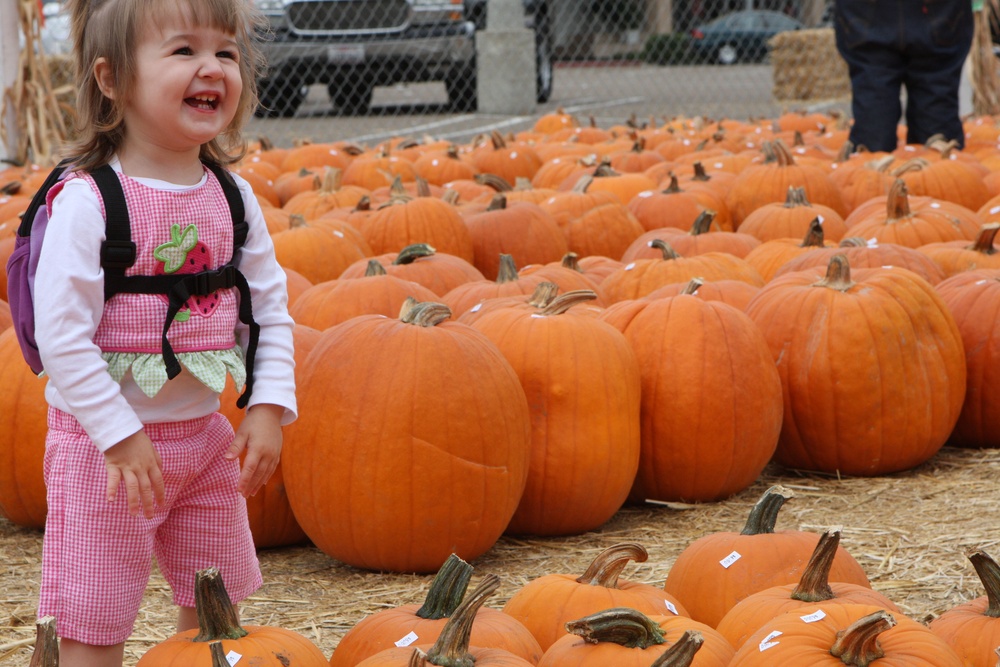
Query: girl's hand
[[260, 435], [136, 464]]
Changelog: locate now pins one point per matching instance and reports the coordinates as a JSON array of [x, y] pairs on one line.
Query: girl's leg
[[84, 655], [187, 619]]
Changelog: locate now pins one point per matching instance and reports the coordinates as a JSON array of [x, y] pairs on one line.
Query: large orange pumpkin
[[437, 271], [584, 406], [594, 222], [23, 413], [407, 430], [711, 398], [716, 571], [523, 230], [262, 646], [544, 605], [792, 219], [771, 255], [888, 321], [956, 256]]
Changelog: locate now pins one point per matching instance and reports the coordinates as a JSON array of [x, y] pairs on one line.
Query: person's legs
[[84, 655], [940, 42]]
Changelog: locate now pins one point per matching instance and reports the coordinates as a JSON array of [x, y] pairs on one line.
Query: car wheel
[[543, 64], [726, 54], [352, 98], [279, 99], [461, 85]]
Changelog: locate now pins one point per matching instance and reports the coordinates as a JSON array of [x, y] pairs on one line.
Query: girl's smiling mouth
[[207, 102]]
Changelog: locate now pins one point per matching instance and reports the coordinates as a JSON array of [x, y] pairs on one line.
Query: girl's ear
[[105, 77]]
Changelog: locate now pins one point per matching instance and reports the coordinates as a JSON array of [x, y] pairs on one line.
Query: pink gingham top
[[74, 326]]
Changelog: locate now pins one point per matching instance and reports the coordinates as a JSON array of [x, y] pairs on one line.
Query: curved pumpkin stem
[[838, 274], [674, 187], [218, 657], [815, 236], [682, 653], [583, 183], [607, 567], [620, 625], [543, 295], [397, 193], [796, 197], [858, 645], [452, 646], [46, 653], [507, 271], [703, 223], [447, 589], [915, 164], [217, 617], [897, 203], [984, 241], [424, 314], [412, 253], [989, 574], [374, 268], [693, 286], [764, 514], [665, 248], [853, 242], [814, 586], [497, 139], [564, 302], [498, 203], [498, 183]]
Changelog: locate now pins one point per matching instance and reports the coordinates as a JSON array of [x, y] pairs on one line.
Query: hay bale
[[807, 67]]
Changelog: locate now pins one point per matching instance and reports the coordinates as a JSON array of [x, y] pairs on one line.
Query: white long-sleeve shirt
[[69, 301]]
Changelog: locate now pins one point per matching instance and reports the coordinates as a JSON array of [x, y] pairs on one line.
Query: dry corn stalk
[[41, 118]]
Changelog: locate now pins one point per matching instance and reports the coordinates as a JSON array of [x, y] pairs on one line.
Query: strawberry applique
[[184, 253]]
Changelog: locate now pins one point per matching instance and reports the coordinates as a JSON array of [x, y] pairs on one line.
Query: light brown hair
[[110, 29]]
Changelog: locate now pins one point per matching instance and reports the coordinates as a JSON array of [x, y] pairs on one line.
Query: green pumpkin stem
[[623, 626], [218, 657], [412, 253], [374, 268], [447, 589], [46, 653], [452, 646], [682, 653], [989, 574], [814, 586], [764, 514], [858, 645], [607, 567], [217, 617]]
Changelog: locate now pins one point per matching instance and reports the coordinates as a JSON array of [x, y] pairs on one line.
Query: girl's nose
[[211, 68]]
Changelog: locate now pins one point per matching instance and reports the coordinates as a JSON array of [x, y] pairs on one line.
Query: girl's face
[[188, 84]]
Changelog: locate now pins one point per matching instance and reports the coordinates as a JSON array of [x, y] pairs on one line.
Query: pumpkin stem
[[682, 653], [853, 242], [216, 613], [497, 139], [916, 164], [452, 646], [796, 197], [693, 285], [814, 237], [605, 170], [571, 261], [498, 203], [897, 203], [218, 657], [498, 183], [583, 183], [838, 274], [412, 253], [296, 220], [424, 313], [607, 567], [447, 589], [417, 659], [543, 295], [989, 574], [814, 586], [508, 270], [522, 184], [858, 645], [764, 513], [623, 626], [703, 223], [364, 204], [665, 248], [46, 653], [332, 180], [564, 302], [699, 173], [374, 268], [674, 186], [423, 187], [984, 242]]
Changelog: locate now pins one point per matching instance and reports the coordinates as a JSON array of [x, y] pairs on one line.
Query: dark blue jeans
[[919, 44]]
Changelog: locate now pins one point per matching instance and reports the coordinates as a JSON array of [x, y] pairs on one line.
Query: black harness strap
[[118, 253]]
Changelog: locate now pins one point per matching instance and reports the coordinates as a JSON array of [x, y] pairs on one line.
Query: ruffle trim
[[150, 370]]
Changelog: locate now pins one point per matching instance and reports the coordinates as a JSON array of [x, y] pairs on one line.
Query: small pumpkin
[[972, 629]]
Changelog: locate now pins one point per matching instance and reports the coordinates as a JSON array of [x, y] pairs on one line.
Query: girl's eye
[[231, 55], [183, 51]]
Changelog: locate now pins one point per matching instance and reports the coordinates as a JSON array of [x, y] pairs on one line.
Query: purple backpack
[[117, 255]]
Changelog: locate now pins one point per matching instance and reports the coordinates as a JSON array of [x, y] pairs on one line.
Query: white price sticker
[[672, 607], [232, 658], [817, 615], [730, 559], [768, 642], [407, 640]]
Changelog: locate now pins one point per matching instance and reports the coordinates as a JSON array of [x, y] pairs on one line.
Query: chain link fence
[[375, 68]]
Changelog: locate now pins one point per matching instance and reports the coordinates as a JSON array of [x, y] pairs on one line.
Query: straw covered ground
[[910, 531]]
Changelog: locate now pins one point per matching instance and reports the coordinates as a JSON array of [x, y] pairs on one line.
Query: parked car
[[740, 36], [351, 46]]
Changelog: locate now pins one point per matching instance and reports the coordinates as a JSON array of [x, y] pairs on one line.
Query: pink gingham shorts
[[96, 558]]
